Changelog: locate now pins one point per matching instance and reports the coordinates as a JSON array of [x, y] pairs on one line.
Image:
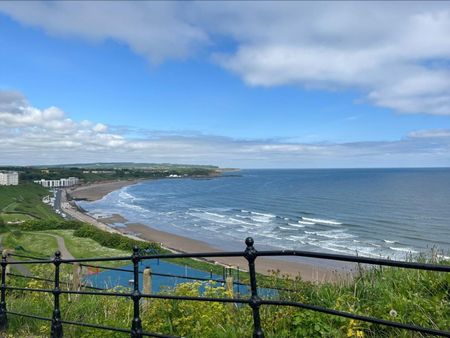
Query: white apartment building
[[62, 182], [9, 178]]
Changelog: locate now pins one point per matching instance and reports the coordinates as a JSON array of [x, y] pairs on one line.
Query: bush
[[111, 240], [39, 225]]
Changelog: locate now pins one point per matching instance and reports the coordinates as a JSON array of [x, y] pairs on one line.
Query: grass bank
[[24, 201]]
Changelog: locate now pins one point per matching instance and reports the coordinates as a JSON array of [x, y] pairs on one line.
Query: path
[[62, 247]]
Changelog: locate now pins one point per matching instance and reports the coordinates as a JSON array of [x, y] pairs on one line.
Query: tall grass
[[407, 296]]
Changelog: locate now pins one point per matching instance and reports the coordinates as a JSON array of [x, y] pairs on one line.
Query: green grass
[[407, 296], [43, 243], [15, 217], [85, 247], [25, 199], [37, 244]]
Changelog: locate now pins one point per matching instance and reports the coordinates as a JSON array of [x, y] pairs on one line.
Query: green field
[[43, 244], [23, 202], [36, 244]]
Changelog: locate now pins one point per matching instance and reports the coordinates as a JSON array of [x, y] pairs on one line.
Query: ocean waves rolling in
[[294, 215]]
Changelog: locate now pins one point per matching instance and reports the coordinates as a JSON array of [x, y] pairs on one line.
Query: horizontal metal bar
[[96, 259], [94, 293], [200, 299], [26, 256], [48, 261], [153, 273], [96, 326], [28, 315], [357, 317], [50, 280], [356, 259], [195, 255], [346, 258]]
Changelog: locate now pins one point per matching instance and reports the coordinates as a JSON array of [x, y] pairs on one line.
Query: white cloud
[[396, 53], [156, 30], [29, 135], [100, 128]]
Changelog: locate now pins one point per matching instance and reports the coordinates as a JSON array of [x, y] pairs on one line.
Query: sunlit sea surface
[[370, 212]]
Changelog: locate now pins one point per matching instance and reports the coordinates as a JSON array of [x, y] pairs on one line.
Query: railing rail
[[254, 301]]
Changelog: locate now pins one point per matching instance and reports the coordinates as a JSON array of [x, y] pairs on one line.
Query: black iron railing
[[254, 301]]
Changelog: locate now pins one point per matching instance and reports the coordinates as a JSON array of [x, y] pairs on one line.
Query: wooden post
[[229, 286], [147, 285], [76, 280]]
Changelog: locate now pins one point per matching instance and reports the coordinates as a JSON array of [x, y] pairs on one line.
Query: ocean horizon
[[380, 212]]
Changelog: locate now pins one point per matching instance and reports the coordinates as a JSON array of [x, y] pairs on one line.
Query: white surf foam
[[296, 225], [333, 234], [409, 250], [306, 223], [321, 221], [262, 214]]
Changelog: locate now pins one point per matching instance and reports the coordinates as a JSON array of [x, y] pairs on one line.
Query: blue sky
[[229, 84]]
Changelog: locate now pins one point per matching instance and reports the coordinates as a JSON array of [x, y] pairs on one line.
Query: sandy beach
[[177, 243], [96, 191], [263, 265]]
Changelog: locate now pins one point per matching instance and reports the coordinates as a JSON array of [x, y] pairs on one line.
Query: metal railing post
[[3, 317], [136, 325], [251, 254], [56, 329]]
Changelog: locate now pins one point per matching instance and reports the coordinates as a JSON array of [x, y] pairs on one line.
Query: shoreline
[[96, 191], [307, 271], [181, 244]]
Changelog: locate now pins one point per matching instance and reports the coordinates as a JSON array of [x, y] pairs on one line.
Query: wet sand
[[264, 265]]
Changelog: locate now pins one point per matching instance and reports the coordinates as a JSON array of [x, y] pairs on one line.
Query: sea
[[389, 213]]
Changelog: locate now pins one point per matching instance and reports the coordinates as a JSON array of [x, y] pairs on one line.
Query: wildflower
[[393, 313]]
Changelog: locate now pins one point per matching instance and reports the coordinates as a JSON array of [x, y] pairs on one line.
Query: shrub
[[112, 240]]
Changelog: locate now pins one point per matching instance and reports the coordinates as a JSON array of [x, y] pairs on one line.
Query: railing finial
[[249, 241]]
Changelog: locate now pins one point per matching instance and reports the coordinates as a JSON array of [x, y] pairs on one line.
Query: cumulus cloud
[[156, 30], [396, 54], [30, 135]]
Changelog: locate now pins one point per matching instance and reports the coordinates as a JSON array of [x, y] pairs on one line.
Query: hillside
[[24, 202]]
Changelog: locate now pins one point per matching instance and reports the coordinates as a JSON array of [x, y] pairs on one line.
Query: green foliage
[[25, 199], [112, 240], [39, 225]]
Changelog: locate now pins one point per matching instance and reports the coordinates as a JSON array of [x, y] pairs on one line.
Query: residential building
[[9, 178], [62, 182]]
